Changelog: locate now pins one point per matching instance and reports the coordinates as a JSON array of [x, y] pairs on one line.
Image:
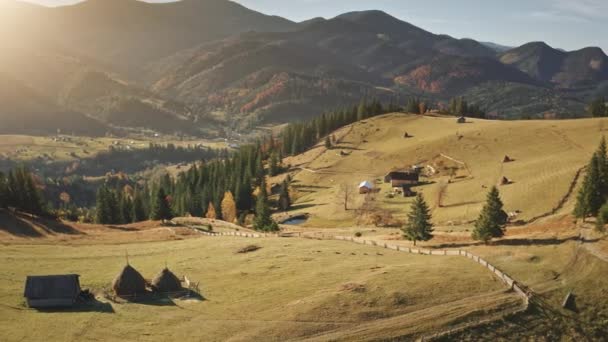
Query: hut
[[400, 178], [166, 282], [461, 120], [365, 187], [129, 283], [52, 291]]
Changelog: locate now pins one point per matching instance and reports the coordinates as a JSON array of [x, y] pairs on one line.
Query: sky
[[566, 24]]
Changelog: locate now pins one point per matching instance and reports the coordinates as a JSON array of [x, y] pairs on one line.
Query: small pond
[[294, 221]]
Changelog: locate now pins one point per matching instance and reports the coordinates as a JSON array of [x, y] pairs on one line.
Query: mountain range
[[195, 66]]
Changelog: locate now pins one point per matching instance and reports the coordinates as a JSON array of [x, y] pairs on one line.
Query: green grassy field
[[547, 156], [289, 289]]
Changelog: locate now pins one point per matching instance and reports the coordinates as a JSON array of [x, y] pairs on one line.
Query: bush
[[358, 234]]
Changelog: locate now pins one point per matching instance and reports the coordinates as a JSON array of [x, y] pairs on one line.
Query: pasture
[[547, 157], [288, 289]]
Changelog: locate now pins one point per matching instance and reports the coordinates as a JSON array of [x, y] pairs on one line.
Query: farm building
[[400, 178], [365, 187], [52, 291]]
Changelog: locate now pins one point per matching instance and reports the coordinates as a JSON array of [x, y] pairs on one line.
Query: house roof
[[403, 175], [52, 286], [366, 184]]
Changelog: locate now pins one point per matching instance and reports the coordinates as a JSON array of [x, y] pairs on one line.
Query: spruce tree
[[161, 210], [492, 220], [602, 156], [602, 219], [102, 210], [418, 226], [273, 168], [284, 199], [590, 199], [139, 211], [263, 220], [3, 191], [327, 142]]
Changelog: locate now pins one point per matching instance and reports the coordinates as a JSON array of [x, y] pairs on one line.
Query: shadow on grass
[[89, 306], [511, 242], [25, 225]]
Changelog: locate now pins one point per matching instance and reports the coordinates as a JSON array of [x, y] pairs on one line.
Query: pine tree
[[419, 226], [598, 108], [492, 220], [3, 191], [161, 210], [590, 199], [602, 219], [102, 210], [229, 208], [362, 111], [327, 142], [284, 199], [602, 156], [273, 167], [139, 211], [263, 220]]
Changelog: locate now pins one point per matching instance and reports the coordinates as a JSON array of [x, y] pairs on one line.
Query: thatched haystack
[[129, 283], [508, 159], [166, 282]]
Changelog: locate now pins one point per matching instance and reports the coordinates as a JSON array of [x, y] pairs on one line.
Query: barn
[[52, 291], [399, 179], [365, 187]]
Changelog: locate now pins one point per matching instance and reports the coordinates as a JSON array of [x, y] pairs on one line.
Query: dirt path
[[589, 243]]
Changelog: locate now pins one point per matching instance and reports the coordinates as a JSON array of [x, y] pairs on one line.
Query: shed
[[400, 178], [365, 187], [462, 120], [52, 291]]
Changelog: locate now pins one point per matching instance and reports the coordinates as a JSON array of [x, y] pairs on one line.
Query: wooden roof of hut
[[166, 282], [52, 290], [129, 283]]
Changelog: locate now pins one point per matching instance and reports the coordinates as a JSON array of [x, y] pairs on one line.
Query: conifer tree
[[602, 219], [3, 191], [492, 219], [602, 156], [263, 220], [273, 167], [102, 209], [139, 211], [590, 199], [229, 208], [418, 226], [284, 199], [327, 142], [161, 210]]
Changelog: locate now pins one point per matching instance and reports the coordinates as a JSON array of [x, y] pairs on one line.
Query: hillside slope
[[547, 154]]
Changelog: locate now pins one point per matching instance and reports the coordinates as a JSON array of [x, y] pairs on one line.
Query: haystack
[[166, 282], [129, 283], [505, 181], [507, 159]]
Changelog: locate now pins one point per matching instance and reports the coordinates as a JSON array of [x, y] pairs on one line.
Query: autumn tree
[[229, 212], [211, 212]]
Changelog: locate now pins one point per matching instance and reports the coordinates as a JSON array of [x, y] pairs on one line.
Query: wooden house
[[398, 179], [365, 187], [52, 291]]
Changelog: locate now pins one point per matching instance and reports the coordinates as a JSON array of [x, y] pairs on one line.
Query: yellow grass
[[547, 156], [291, 288]]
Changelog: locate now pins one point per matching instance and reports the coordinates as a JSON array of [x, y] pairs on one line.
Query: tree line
[[19, 190], [223, 188], [597, 108], [592, 198]]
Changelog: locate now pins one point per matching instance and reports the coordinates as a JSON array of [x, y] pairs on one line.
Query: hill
[[24, 111], [461, 160], [580, 69]]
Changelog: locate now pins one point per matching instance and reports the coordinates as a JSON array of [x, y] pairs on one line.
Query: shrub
[[358, 234]]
